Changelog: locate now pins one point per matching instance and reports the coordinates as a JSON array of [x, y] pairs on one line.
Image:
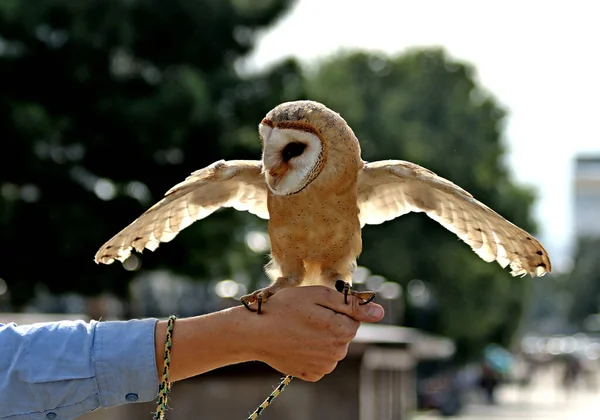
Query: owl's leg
[[261, 296], [294, 274], [345, 287]]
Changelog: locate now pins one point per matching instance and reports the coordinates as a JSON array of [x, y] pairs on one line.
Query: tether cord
[[165, 385], [284, 382]]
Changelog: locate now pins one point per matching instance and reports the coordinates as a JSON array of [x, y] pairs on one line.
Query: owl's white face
[[291, 158]]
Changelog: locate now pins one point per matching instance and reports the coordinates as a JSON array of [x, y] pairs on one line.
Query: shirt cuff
[[125, 361]]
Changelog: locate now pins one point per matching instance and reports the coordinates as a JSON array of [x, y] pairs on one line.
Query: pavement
[[544, 399]]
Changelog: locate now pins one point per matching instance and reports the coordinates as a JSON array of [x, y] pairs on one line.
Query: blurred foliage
[[136, 95], [104, 106], [584, 281], [548, 311], [424, 107]]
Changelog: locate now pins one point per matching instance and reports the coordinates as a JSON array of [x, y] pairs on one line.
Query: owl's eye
[[292, 150]]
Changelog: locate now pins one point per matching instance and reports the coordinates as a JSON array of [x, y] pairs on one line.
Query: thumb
[[371, 312], [332, 299]]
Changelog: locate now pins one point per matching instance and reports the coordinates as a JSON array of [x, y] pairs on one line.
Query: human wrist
[[207, 342], [246, 326]]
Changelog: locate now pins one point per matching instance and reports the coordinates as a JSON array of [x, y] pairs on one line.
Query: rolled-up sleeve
[[62, 370]]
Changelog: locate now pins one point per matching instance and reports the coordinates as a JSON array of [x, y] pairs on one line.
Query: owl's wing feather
[[392, 188], [238, 183]]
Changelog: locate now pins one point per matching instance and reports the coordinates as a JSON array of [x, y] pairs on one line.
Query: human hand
[[305, 331]]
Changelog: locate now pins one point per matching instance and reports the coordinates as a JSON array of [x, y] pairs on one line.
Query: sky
[[540, 59]]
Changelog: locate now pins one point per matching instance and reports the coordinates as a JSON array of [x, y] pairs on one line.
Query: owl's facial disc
[[291, 158]]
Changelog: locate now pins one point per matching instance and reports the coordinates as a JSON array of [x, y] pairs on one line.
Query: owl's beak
[[276, 173], [275, 181]]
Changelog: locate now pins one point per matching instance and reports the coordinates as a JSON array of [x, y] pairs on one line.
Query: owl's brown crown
[[305, 111], [314, 117]]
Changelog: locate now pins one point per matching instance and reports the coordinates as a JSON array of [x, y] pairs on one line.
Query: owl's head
[[301, 140]]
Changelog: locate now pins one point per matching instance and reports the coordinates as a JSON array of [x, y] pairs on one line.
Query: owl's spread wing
[[392, 188], [238, 183]]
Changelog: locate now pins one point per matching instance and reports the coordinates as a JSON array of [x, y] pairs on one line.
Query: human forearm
[[203, 343], [72, 367], [303, 332]]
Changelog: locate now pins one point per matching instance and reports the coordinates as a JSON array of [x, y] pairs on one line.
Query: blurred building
[[587, 196]]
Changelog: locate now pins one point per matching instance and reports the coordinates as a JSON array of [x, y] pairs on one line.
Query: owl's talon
[[365, 297], [368, 299], [259, 305], [259, 297], [345, 288], [247, 305]]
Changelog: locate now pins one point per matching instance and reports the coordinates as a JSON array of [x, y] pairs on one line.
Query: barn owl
[[317, 194]]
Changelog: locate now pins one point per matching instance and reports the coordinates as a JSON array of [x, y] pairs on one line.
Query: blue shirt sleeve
[[62, 370]]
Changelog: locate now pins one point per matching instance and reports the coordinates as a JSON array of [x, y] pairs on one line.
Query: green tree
[[106, 105], [424, 107]]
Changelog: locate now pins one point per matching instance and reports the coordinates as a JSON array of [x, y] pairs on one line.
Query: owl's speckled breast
[[317, 226]]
